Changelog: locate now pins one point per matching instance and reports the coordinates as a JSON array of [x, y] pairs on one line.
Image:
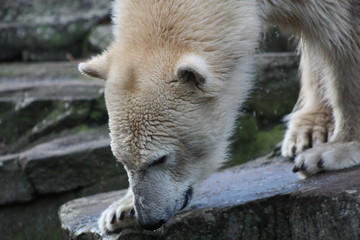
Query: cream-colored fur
[[177, 73]]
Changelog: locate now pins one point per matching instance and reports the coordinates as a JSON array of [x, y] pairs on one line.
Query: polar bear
[[178, 71]]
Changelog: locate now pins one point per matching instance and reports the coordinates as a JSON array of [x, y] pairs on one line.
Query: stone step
[[22, 80], [61, 165], [45, 99], [261, 200]]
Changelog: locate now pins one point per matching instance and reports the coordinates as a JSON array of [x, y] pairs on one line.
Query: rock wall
[[48, 29]]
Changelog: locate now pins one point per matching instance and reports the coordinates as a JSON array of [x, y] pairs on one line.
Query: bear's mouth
[[187, 198]]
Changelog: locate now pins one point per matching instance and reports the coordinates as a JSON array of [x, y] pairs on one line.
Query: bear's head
[[166, 124], [175, 75]]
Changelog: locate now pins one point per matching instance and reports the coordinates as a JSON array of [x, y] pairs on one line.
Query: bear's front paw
[[307, 129], [119, 215], [328, 157]]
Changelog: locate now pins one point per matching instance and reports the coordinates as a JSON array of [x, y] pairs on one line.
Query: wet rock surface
[[259, 200]]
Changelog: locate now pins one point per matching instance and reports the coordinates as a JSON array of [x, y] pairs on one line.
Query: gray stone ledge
[[261, 200], [24, 83], [69, 163], [61, 165]]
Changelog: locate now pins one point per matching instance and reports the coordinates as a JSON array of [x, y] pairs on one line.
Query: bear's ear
[[96, 67], [188, 73], [194, 69]]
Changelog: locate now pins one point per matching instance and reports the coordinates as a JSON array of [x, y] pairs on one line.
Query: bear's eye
[[159, 161]]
